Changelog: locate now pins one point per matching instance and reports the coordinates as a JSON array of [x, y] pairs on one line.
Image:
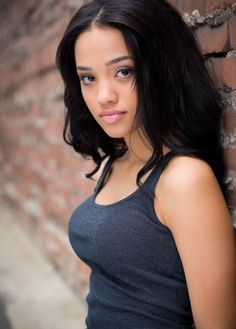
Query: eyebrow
[[112, 61]]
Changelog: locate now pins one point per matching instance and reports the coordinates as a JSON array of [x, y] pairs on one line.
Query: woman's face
[[106, 71]]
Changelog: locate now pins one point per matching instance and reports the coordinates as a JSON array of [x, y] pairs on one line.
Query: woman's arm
[[191, 204]]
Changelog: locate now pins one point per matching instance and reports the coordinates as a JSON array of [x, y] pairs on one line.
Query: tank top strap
[[103, 176], [153, 179]]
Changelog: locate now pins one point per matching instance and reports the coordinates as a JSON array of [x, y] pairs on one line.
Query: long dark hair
[[178, 104]]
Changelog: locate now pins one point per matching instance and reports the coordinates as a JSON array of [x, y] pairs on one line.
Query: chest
[[121, 236], [118, 185]]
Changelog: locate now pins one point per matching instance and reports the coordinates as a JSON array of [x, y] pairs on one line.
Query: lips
[[111, 116]]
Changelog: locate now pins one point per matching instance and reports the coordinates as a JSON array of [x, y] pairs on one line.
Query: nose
[[106, 93]]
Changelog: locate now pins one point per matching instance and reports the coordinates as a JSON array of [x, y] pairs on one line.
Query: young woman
[[156, 232]]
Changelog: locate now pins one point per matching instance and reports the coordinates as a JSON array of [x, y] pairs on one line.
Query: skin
[[188, 198], [108, 84], [191, 204]]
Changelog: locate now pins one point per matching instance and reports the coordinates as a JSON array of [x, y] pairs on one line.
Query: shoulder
[[184, 172], [192, 206], [186, 184]]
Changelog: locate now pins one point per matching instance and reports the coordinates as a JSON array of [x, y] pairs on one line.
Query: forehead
[[100, 43]]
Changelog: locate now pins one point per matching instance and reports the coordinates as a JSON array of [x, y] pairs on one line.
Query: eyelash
[[84, 76], [89, 76], [128, 69]]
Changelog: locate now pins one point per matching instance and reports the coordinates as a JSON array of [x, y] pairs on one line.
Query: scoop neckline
[[98, 205], [121, 200]]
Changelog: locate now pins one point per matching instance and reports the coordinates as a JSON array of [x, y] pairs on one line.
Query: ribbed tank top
[[137, 279]]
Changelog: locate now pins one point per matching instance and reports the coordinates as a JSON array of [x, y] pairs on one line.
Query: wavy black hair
[[178, 103]]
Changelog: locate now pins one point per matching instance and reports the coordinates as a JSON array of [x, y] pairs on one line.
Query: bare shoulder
[[190, 203], [185, 171], [187, 184]]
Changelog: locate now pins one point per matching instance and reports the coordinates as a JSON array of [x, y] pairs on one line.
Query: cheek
[[89, 100], [133, 99]]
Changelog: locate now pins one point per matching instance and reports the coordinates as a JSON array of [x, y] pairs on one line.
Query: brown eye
[[125, 72], [87, 79]]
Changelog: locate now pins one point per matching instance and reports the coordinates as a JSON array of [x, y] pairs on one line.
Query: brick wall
[[42, 180]]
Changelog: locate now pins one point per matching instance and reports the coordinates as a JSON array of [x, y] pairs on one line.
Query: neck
[[139, 149]]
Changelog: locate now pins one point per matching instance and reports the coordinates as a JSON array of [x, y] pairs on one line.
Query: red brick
[[232, 199], [232, 31], [172, 2], [229, 119], [211, 5], [189, 6], [230, 159], [229, 72], [46, 56], [213, 40], [225, 69]]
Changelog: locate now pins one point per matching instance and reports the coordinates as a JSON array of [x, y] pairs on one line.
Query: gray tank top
[[137, 279]]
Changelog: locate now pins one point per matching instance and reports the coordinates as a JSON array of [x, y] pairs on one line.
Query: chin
[[117, 133]]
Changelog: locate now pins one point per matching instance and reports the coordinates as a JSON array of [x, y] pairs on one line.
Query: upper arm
[[194, 209]]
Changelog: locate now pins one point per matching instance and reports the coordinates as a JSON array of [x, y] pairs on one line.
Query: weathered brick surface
[[189, 6], [202, 6], [230, 123], [225, 69], [231, 164], [213, 40], [41, 179], [211, 5], [232, 32]]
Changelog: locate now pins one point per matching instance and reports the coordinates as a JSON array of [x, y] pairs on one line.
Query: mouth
[[112, 116]]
